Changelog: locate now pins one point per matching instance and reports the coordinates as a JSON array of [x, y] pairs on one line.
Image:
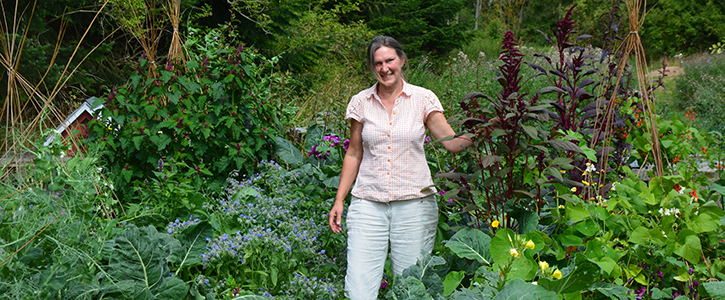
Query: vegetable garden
[[208, 172]]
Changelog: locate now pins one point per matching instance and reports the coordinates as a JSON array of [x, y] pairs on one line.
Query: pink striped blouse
[[393, 166]]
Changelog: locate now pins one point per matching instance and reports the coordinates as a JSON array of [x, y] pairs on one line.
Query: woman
[[392, 201]]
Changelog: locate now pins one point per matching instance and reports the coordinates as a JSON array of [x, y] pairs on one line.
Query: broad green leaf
[[531, 131], [489, 160], [171, 288], [193, 243], [703, 223], [611, 290], [587, 227], [452, 281], [137, 141], [607, 264], [472, 244], [715, 290], [138, 261], [688, 246], [500, 245], [518, 289], [288, 153], [639, 235], [579, 275], [565, 146], [665, 293], [408, 288], [424, 270], [576, 212], [466, 294]]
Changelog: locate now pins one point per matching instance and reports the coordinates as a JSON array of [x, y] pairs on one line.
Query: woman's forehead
[[384, 53]]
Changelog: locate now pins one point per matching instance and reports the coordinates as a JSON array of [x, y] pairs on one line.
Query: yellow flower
[[585, 182], [561, 206], [543, 265], [585, 173], [573, 189], [530, 244], [514, 253], [160, 132], [562, 171], [495, 224], [557, 274]]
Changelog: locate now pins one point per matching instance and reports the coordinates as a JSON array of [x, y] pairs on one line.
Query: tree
[[422, 26]]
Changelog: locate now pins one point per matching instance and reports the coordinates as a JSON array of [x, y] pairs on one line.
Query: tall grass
[[702, 90]]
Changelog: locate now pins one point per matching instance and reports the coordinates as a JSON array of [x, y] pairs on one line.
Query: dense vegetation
[[209, 171]]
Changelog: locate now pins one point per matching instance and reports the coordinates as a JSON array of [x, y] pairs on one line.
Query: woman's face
[[388, 67]]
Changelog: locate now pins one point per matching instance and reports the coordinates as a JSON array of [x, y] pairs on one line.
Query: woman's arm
[[439, 127], [350, 167]]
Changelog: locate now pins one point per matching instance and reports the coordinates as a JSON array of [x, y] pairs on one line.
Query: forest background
[[213, 168]]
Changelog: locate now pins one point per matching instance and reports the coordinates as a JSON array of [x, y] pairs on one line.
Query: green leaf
[[565, 146], [408, 288], [688, 246], [171, 288], [489, 160], [452, 281], [424, 270], [579, 275], [588, 227], [288, 153], [137, 141], [639, 235], [610, 290], [715, 290], [472, 244], [703, 223], [193, 243], [551, 89], [662, 294], [518, 289], [607, 264], [138, 261], [576, 212], [531, 131]]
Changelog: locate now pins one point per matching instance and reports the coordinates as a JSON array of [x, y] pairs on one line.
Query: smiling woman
[[392, 201]]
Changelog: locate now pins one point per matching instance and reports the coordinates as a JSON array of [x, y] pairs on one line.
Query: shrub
[[210, 117]]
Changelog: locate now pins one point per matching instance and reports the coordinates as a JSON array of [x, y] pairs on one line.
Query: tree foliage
[[422, 26]]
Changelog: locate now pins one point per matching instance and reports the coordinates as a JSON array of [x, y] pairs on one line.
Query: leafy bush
[[210, 117]]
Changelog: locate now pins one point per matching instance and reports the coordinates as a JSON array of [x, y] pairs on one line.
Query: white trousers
[[409, 225]]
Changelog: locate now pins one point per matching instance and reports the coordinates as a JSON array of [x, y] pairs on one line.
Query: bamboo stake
[[632, 45]]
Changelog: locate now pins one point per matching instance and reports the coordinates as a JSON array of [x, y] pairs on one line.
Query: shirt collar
[[371, 92]]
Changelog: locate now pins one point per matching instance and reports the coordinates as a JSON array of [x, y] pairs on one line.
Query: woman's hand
[[439, 128], [336, 218]]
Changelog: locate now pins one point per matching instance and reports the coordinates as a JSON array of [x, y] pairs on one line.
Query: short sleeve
[[431, 104], [354, 109]]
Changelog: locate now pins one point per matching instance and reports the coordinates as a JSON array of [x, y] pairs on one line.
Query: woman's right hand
[[336, 217]]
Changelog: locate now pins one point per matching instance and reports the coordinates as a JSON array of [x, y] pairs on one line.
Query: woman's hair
[[383, 41]]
